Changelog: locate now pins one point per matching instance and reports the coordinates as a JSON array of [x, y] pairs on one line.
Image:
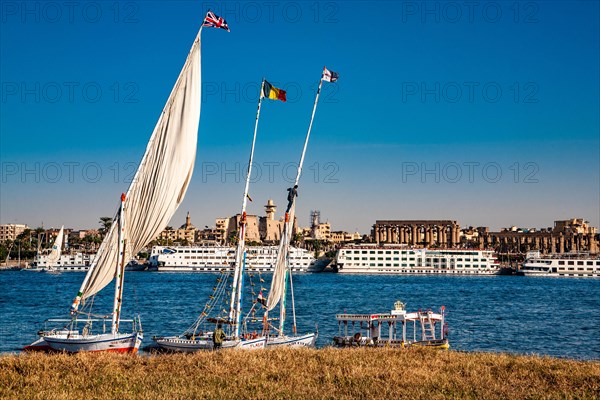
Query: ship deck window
[[590, 263], [571, 263], [561, 263], [579, 262]]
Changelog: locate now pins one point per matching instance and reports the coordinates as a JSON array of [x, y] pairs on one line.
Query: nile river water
[[549, 316]]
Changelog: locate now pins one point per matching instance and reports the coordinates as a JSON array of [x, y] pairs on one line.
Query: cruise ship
[[67, 262], [399, 259], [568, 264], [217, 258]]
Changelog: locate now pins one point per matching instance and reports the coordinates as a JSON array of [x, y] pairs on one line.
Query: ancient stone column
[[561, 243], [593, 244]]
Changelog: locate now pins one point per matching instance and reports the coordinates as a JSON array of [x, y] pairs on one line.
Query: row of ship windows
[[420, 266], [379, 252], [578, 263], [60, 263], [561, 262], [217, 263], [268, 258], [435, 260], [213, 252], [530, 268], [456, 253], [432, 271]]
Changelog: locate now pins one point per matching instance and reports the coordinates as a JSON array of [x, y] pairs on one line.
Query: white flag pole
[[236, 290]]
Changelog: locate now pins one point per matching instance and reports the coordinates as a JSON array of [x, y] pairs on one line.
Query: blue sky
[[487, 114]]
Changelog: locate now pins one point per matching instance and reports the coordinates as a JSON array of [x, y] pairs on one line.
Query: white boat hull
[[106, 342], [38, 345], [292, 341], [189, 346]]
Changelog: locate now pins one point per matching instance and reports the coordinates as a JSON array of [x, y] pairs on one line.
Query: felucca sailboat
[[55, 252], [156, 191], [51, 258], [282, 274], [195, 338]]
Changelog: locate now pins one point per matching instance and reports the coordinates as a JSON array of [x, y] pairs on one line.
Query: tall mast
[[290, 220], [240, 258], [120, 270]]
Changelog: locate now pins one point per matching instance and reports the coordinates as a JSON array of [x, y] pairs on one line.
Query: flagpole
[[236, 290], [245, 199], [290, 220], [308, 133]]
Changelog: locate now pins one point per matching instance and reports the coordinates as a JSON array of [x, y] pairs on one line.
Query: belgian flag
[[271, 92]]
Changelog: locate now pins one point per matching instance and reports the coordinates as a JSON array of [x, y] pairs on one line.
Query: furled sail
[[54, 255], [278, 281], [161, 180]]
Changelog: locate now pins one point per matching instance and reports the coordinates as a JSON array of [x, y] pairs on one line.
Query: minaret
[[188, 222], [270, 209]]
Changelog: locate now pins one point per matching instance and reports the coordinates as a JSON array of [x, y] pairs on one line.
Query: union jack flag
[[213, 21]]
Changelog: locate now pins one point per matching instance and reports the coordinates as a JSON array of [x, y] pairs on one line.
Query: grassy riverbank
[[284, 373]]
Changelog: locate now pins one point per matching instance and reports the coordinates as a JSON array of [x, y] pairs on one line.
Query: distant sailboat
[[282, 274], [55, 253], [156, 191], [51, 258]]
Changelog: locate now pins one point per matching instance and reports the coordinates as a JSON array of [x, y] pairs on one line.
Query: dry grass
[[297, 374]]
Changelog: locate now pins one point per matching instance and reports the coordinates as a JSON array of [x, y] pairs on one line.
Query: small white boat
[[185, 345], [74, 341], [307, 340], [404, 329]]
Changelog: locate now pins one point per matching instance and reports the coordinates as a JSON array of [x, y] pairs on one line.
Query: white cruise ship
[[568, 264], [66, 262], [217, 258], [398, 259]]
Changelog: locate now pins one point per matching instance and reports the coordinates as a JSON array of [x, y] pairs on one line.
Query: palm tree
[[105, 223]]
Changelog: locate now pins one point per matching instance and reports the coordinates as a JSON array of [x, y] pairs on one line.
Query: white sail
[[278, 281], [54, 255], [161, 180]]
